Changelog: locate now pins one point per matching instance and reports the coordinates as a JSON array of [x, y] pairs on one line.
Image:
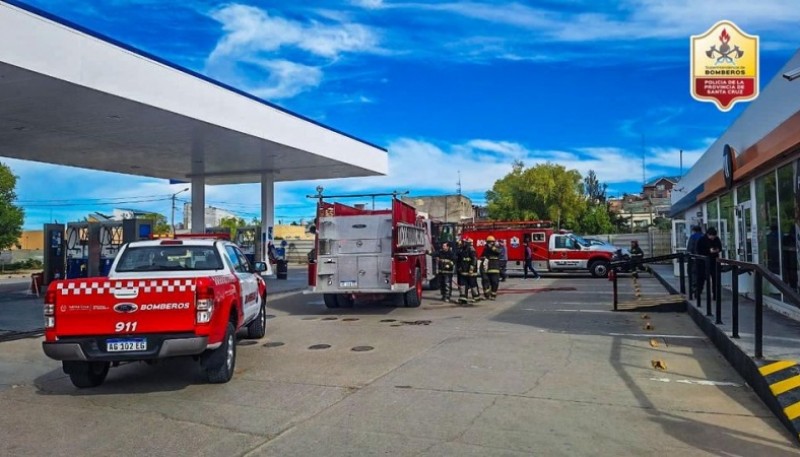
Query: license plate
[[126, 345], [348, 284]]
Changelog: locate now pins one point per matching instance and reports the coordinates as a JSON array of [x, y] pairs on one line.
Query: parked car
[[606, 245]]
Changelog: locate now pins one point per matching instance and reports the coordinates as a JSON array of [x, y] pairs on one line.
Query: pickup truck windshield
[[581, 241], [169, 258]]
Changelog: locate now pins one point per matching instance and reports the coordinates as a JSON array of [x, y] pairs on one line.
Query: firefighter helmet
[[490, 238]]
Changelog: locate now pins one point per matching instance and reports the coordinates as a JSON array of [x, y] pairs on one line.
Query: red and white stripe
[[141, 286]]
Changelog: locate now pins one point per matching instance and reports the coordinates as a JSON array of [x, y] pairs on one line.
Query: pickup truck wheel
[[222, 361], [86, 374], [413, 297], [258, 328], [599, 269], [345, 300], [330, 300]]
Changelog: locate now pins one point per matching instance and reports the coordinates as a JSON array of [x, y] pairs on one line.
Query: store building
[[747, 186]]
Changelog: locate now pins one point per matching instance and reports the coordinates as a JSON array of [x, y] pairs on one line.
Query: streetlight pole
[[172, 221]]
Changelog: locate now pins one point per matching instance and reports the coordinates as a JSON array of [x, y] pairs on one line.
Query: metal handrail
[[737, 267], [773, 279]]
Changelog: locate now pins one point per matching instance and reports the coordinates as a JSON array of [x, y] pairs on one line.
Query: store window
[[769, 251], [787, 227], [744, 226], [727, 214], [712, 209]]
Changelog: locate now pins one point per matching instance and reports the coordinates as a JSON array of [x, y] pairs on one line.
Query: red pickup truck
[[162, 298]]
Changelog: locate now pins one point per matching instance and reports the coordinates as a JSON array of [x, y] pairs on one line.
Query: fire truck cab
[[552, 250]]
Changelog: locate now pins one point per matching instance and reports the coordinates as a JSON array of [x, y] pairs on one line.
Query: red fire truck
[[368, 252], [553, 250]]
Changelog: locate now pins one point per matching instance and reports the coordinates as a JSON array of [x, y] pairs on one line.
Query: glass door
[[680, 237], [744, 233]]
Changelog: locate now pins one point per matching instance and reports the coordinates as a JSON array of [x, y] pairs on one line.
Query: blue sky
[[464, 86]]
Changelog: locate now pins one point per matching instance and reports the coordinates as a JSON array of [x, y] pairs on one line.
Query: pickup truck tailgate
[[107, 307]]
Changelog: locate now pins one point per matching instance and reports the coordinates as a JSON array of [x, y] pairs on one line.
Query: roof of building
[[673, 179]]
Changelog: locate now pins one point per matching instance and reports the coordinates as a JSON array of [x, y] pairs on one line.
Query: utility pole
[[644, 178], [172, 220], [681, 155]]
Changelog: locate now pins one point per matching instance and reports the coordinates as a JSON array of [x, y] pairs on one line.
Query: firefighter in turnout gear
[[491, 255], [446, 266], [467, 267]]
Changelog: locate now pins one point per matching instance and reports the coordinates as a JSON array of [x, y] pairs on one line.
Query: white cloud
[[369, 4], [287, 79], [251, 51]]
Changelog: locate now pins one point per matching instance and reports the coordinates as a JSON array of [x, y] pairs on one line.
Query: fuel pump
[[247, 239], [53, 252], [110, 237], [77, 249]]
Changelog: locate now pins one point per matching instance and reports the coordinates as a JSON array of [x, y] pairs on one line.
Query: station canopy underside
[[70, 98]]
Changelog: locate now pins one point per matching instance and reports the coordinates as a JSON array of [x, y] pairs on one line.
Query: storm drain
[[417, 322], [329, 318], [349, 319], [362, 348], [388, 320], [319, 346], [273, 344]]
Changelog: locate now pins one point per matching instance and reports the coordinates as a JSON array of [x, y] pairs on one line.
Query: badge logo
[[514, 242], [126, 307], [724, 66]]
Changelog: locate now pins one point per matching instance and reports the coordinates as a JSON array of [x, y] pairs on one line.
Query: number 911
[[125, 327]]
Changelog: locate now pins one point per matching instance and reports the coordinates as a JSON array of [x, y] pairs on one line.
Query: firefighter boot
[[476, 294], [462, 295]]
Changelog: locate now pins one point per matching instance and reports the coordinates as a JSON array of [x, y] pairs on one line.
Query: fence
[[655, 242]]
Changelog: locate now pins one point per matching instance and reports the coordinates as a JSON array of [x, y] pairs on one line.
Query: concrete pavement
[[547, 369]]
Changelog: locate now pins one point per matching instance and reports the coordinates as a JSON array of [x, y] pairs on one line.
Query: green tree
[[594, 190], [159, 221], [546, 191], [11, 216], [232, 224], [598, 217], [596, 220]]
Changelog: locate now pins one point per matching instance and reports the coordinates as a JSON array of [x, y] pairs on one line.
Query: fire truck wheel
[[330, 300], [413, 297], [221, 362], [258, 328], [599, 269], [345, 300], [86, 374]]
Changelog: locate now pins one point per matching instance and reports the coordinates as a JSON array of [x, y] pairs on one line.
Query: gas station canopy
[[69, 96]]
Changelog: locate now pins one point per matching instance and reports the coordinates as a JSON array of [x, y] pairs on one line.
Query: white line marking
[[656, 335], [578, 310], [701, 382]]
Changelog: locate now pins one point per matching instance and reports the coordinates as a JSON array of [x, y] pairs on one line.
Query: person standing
[[636, 254], [491, 253], [529, 263], [446, 264], [691, 248], [503, 260], [467, 268], [709, 246]]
